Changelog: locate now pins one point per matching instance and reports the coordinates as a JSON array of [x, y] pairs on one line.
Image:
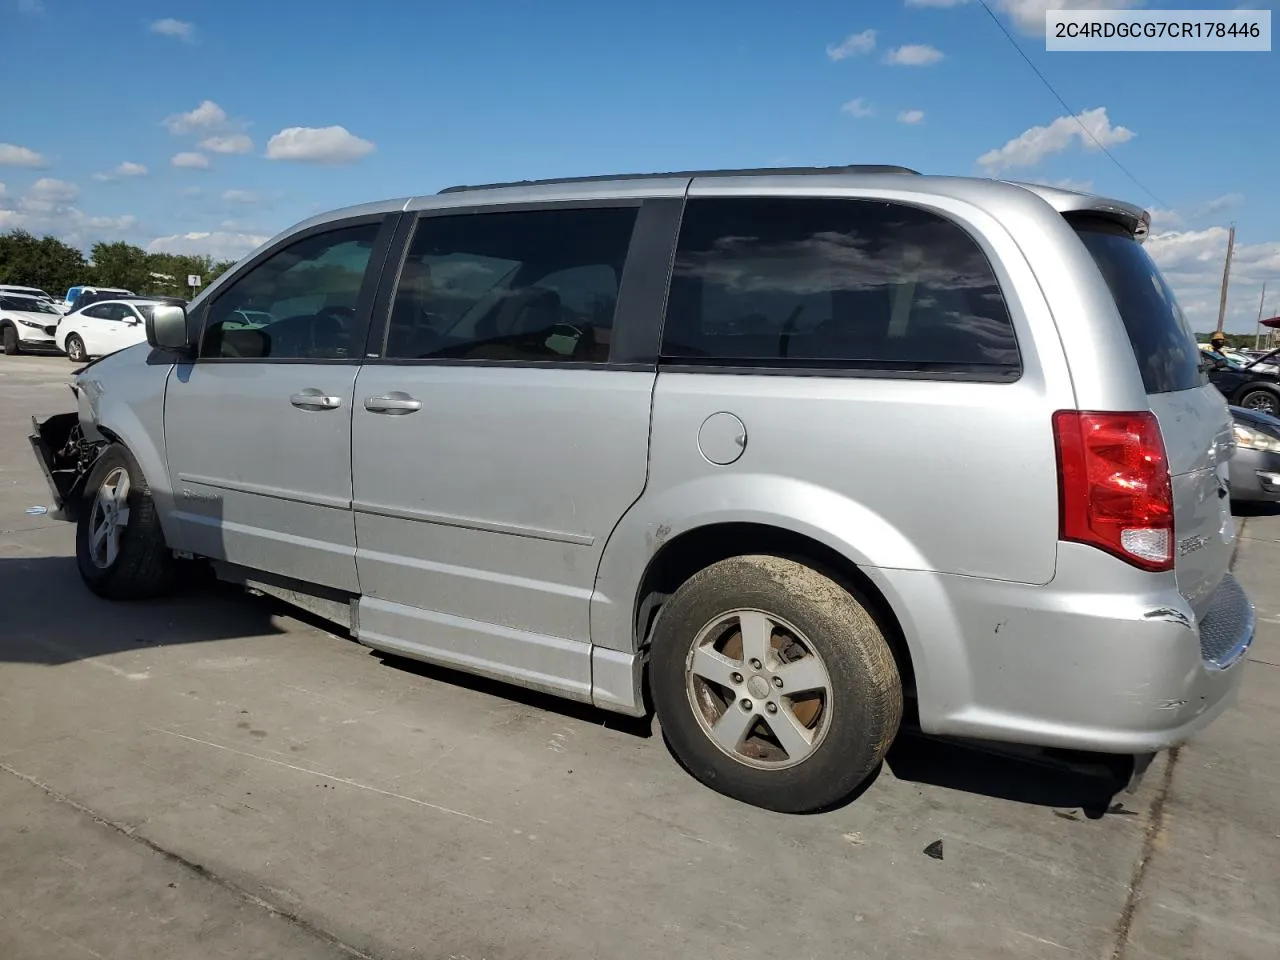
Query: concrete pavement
[[225, 778]]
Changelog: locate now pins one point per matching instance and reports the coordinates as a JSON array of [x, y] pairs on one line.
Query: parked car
[[1255, 467], [1250, 384], [26, 323], [36, 292], [104, 327], [779, 449], [76, 296]]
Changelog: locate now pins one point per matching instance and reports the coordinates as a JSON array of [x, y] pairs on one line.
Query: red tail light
[[1113, 480]]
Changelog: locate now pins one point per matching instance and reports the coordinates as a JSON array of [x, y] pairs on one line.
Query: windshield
[[1162, 341], [1266, 359], [25, 304]]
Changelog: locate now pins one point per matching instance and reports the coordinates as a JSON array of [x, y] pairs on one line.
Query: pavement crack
[[199, 870], [1155, 823]]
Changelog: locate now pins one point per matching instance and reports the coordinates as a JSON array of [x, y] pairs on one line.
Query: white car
[[6, 288], [103, 327], [26, 323]]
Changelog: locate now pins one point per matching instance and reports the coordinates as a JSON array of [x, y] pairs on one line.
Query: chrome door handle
[[315, 400], [396, 403]]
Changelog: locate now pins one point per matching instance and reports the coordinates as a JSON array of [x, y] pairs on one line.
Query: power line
[[1065, 106]]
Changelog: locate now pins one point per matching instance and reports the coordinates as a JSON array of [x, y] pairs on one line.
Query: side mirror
[[167, 327]]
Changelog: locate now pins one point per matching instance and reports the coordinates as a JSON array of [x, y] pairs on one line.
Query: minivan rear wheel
[[773, 684]]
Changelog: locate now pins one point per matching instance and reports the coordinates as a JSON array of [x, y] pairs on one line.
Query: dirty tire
[[75, 349], [11, 346], [143, 567], [865, 700]]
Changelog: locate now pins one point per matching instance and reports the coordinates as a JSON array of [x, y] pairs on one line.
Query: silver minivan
[[776, 452]]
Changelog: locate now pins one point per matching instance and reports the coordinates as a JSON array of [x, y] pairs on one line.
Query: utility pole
[[1226, 276], [1257, 340]]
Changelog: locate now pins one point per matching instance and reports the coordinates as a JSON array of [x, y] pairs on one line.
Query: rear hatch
[[1194, 419]]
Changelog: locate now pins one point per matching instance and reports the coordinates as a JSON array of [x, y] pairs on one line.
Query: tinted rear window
[[851, 284], [1163, 342]]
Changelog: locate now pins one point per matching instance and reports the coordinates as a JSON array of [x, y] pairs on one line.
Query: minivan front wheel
[[773, 684], [120, 547]]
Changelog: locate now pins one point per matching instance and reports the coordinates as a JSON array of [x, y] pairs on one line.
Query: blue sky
[[208, 125]]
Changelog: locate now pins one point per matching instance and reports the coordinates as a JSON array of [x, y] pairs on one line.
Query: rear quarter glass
[[1163, 342]]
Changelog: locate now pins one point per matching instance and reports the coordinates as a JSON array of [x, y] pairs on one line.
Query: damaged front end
[[66, 456]]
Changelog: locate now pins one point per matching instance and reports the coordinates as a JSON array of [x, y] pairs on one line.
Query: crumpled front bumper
[[64, 458]]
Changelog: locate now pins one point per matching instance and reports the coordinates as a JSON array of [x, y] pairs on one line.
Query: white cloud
[[1028, 15], [12, 155], [853, 45], [1192, 262], [126, 169], [190, 161], [1162, 219], [47, 194], [47, 207], [241, 196], [178, 29], [206, 117], [913, 55], [1218, 204], [121, 224], [857, 107], [327, 145], [911, 116], [1033, 145], [231, 143], [221, 245]]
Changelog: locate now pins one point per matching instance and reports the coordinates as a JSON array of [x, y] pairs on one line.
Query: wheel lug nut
[[755, 664], [737, 678], [746, 704], [771, 707], [777, 682]]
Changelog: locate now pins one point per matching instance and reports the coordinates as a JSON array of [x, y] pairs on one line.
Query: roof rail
[[745, 172]]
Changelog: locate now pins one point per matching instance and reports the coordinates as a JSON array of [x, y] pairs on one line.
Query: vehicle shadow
[[1047, 778], [60, 622], [51, 618], [1255, 508]]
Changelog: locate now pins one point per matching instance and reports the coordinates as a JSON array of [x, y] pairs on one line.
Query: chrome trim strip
[[263, 490], [471, 523]]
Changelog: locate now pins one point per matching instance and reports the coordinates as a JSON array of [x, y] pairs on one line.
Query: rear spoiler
[[1133, 218]]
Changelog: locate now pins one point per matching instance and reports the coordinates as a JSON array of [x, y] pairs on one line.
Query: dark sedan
[[1255, 467], [1247, 386]]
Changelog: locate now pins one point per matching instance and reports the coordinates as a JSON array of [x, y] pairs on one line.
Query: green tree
[[121, 264], [44, 262]]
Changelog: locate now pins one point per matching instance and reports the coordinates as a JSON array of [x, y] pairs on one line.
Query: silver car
[[776, 451]]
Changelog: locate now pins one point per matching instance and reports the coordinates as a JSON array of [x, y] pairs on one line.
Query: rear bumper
[[1103, 659], [1255, 475]]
